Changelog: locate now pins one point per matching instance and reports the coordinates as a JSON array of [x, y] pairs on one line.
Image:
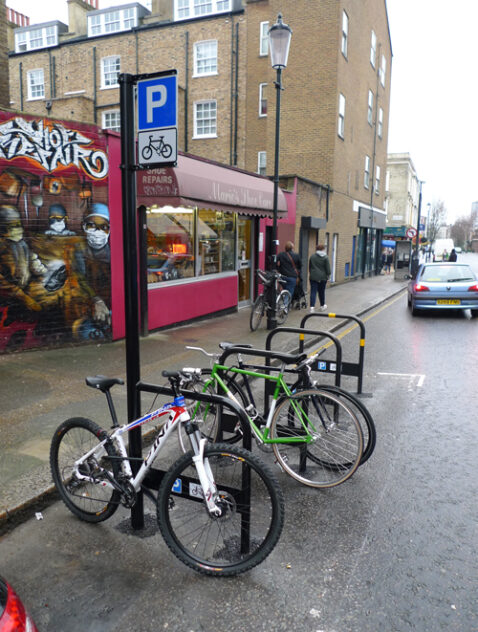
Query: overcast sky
[[434, 91]]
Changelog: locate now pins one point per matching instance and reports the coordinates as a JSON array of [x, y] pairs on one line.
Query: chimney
[[77, 10], [161, 11], [14, 20]]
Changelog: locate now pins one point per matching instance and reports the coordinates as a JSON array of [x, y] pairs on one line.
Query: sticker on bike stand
[[322, 366], [178, 486], [195, 490]]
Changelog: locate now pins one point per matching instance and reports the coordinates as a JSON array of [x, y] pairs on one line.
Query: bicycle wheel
[[209, 416], [257, 312], [166, 150], [89, 501], [252, 512], [365, 419], [147, 152], [283, 304], [335, 449]]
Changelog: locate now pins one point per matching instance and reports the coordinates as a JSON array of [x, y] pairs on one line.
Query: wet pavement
[[42, 388]]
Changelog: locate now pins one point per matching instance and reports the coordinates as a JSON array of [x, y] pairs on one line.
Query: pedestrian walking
[[289, 265], [384, 260], [453, 256], [319, 273], [388, 265]]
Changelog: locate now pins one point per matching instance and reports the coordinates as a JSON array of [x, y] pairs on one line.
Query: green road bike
[[315, 437]]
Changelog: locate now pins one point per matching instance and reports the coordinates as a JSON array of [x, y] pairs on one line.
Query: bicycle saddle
[[102, 382]]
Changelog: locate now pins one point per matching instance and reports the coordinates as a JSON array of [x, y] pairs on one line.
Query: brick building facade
[[335, 103]]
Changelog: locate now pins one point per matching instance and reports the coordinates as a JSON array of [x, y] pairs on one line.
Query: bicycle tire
[[257, 312], [147, 152], [72, 439], [335, 452], [166, 150], [363, 415], [212, 545], [209, 417], [283, 303]]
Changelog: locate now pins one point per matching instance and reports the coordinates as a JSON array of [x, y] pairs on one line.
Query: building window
[[185, 242], [261, 162], [345, 34], [383, 70], [36, 38], [205, 58], [373, 49], [341, 121], [264, 39], [112, 21], [184, 9], [110, 69], [112, 120], [36, 84], [380, 123], [262, 99], [377, 180], [370, 108], [366, 175], [205, 119]]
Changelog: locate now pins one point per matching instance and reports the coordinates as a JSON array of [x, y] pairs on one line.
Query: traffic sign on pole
[[157, 119]]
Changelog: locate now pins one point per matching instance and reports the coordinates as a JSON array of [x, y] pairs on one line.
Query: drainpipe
[[95, 100], [186, 90], [236, 95], [231, 116], [20, 73]]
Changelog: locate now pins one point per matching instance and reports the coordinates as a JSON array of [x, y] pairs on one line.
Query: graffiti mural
[[55, 280]]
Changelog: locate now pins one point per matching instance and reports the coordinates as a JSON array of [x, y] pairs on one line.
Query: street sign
[[157, 119], [411, 232]]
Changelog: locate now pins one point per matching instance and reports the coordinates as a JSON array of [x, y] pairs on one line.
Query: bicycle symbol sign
[[157, 146]]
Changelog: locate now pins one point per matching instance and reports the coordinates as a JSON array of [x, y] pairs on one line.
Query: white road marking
[[415, 380]]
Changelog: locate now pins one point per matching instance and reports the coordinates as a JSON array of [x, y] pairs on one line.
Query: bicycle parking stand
[[154, 477], [347, 368]]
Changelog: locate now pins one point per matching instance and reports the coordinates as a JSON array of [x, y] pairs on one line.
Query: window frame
[[264, 39], [197, 135], [341, 116], [207, 73], [345, 34], [380, 123], [370, 107], [262, 163], [31, 86], [189, 8], [104, 60], [106, 113], [23, 40], [376, 187], [366, 176], [97, 23], [373, 49], [262, 100], [383, 70]]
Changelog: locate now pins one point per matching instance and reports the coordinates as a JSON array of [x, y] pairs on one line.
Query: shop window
[[185, 242]]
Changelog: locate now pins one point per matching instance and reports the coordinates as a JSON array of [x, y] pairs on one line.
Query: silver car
[[443, 286]]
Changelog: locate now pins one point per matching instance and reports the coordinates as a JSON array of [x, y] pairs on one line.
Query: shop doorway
[[245, 259]]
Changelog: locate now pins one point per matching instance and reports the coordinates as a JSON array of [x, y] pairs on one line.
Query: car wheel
[[414, 309]]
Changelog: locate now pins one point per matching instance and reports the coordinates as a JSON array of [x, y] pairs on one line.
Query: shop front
[[201, 225], [371, 224]]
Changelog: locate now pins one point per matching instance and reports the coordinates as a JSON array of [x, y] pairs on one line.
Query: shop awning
[[207, 184]]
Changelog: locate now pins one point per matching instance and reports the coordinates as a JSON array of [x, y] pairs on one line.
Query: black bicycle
[[159, 146], [261, 304]]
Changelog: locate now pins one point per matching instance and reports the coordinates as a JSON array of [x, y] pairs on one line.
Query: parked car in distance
[[13, 616], [443, 286]]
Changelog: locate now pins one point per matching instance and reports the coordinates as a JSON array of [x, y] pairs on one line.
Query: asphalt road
[[392, 549]]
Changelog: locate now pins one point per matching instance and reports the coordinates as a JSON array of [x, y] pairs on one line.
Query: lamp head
[[279, 43]]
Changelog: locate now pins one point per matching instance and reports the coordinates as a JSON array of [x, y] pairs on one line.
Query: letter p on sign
[[157, 102]]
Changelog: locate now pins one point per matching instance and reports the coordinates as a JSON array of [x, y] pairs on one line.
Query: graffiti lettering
[[51, 146]]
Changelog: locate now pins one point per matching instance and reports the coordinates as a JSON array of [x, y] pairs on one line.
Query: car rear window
[[447, 273]]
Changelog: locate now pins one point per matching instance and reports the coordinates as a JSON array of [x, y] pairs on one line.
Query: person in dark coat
[[453, 256], [319, 272], [289, 265]]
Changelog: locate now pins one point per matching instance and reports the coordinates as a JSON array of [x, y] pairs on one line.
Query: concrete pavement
[[42, 388]]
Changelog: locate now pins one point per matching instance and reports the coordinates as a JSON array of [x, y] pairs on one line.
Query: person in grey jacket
[[319, 274]]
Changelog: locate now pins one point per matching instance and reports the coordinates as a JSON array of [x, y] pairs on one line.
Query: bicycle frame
[[177, 414], [281, 387]]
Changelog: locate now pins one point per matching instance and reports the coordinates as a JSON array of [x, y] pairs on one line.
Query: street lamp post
[[279, 43], [417, 242]]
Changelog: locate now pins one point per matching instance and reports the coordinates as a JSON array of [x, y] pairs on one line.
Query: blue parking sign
[[157, 102]]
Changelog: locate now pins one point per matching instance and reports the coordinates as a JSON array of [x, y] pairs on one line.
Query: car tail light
[[15, 618], [419, 287], [473, 288]]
